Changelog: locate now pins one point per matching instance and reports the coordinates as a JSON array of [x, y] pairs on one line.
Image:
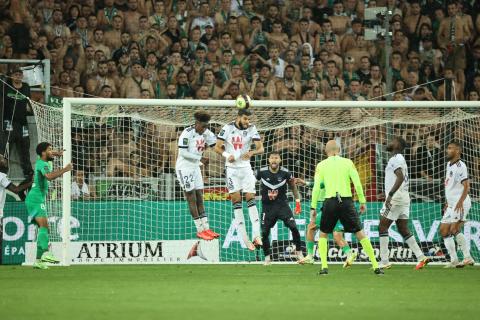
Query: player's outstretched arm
[[58, 173]]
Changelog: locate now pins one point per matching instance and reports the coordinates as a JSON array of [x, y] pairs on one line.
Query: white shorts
[[240, 179], [190, 178], [452, 216], [396, 211]]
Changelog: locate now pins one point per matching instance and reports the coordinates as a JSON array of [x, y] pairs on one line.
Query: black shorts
[[272, 213], [345, 211]]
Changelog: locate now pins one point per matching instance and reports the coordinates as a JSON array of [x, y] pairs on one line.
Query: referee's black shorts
[[334, 210]]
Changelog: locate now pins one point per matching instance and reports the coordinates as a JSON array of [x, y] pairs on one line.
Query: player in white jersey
[[457, 206], [6, 184], [234, 143], [191, 144], [397, 205]]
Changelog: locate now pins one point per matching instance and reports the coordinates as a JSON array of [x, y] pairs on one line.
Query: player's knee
[[454, 229], [404, 232]]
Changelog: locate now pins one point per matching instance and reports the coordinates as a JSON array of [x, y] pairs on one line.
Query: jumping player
[[191, 144], [233, 143]]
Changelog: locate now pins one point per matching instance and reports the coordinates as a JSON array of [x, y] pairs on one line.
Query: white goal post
[[144, 211]]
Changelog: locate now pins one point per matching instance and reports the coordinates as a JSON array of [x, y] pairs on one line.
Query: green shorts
[[338, 226], [36, 210]]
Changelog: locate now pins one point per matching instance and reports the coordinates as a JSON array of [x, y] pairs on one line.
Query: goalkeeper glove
[[298, 206]]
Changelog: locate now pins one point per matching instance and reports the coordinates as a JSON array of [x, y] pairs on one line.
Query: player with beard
[[36, 200], [233, 143], [274, 180]]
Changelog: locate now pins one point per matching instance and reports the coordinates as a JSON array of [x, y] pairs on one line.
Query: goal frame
[[67, 134]]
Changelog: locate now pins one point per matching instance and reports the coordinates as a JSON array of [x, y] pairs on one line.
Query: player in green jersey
[[313, 226], [36, 200]]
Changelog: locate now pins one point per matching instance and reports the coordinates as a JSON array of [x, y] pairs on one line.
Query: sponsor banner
[[112, 221], [134, 252], [284, 251]]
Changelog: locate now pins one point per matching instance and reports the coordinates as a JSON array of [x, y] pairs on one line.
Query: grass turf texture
[[237, 292]]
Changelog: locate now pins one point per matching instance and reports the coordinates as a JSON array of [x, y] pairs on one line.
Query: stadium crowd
[[279, 50], [290, 49]]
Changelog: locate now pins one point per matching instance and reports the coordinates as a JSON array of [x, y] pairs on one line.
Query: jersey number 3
[[272, 194]]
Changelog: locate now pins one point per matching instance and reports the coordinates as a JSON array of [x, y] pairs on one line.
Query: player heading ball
[[234, 143]]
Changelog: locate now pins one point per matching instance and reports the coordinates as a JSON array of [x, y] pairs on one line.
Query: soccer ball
[[243, 102]]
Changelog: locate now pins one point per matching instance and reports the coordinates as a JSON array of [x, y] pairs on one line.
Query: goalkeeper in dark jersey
[[274, 180]]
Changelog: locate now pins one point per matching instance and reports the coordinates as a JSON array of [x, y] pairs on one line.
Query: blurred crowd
[[284, 49]]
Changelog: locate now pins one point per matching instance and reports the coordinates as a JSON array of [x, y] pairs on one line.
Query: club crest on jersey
[[237, 142], [200, 145], [451, 173], [272, 194], [244, 133]]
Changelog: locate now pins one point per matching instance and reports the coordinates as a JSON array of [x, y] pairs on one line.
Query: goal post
[[133, 209]]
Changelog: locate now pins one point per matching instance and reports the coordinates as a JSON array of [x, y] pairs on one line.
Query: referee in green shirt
[[332, 184]]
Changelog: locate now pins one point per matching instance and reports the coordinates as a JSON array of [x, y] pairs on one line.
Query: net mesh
[[125, 189]]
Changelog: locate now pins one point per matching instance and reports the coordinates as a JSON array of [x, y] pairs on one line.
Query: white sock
[[198, 224], [253, 213], [450, 245], [413, 245], [205, 224], [384, 247], [240, 221], [462, 245]]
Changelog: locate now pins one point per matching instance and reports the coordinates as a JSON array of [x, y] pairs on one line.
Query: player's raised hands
[[57, 153]]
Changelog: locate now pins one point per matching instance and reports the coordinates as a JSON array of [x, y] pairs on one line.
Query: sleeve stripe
[[212, 145], [220, 138], [463, 180], [256, 139], [183, 147]]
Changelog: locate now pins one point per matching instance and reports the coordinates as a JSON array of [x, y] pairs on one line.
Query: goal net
[[124, 204]]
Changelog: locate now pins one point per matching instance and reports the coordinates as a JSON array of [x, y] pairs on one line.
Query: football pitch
[[237, 292]]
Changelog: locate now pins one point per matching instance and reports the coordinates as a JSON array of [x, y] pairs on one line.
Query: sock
[[253, 213], [384, 239], [240, 220], [450, 245], [346, 249], [367, 247], [204, 220], [462, 244], [42, 241], [413, 245], [310, 246], [198, 224], [322, 250]]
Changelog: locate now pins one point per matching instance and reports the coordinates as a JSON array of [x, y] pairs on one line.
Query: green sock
[[367, 246], [346, 249], [42, 241], [322, 249], [310, 245]]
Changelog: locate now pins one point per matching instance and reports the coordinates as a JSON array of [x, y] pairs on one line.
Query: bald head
[[332, 148]]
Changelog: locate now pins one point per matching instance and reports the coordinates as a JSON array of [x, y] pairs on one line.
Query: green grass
[[237, 292]]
